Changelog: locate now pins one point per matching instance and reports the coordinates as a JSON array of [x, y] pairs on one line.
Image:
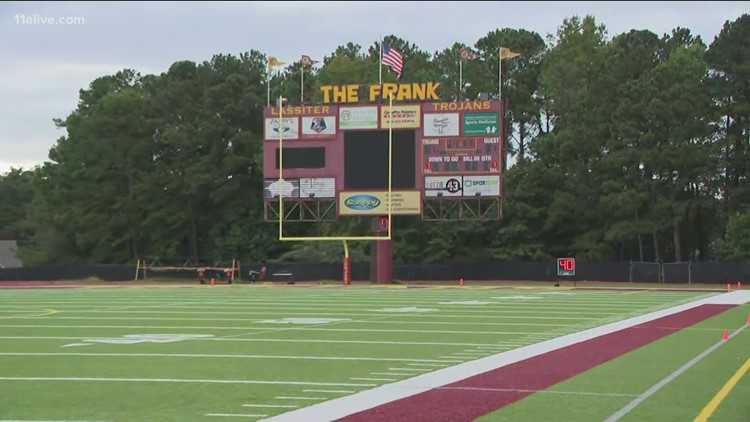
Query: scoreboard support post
[[381, 253]]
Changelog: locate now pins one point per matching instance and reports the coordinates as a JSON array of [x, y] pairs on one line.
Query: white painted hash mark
[[285, 406]]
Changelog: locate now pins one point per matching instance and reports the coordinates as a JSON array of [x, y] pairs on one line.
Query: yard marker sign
[[566, 266]]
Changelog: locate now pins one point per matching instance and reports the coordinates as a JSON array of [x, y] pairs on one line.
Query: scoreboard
[[339, 152], [464, 155]]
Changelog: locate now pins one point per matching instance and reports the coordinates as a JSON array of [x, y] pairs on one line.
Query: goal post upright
[[344, 239]]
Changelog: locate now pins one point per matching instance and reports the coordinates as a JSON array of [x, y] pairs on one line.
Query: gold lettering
[[325, 110], [404, 92], [418, 91], [374, 92], [339, 94], [389, 89], [352, 92], [486, 105], [326, 93], [452, 106], [443, 107], [432, 91]]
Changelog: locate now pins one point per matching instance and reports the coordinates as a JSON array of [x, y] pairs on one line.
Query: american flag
[[393, 58]]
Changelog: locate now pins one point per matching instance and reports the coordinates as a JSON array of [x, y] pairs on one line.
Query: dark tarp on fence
[[696, 272]]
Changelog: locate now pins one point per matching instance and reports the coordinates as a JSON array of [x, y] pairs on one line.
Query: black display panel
[[303, 158], [366, 160]]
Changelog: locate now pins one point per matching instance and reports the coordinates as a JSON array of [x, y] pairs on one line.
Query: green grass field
[[204, 353]]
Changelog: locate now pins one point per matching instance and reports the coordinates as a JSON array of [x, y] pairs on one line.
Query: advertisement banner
[[443, 186], [290, 189], [404, 116], [358, 118], [439, 124], [289, 128], [487, 123], [376, 203], [317, 187], [319, 126], [484, 185]]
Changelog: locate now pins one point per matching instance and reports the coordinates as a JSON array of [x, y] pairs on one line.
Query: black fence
[[639, 272]]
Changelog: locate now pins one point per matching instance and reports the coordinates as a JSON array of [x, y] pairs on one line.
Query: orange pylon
[[725, 336]]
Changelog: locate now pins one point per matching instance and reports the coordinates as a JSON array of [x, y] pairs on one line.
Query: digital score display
[[465, 155], [566, 266]]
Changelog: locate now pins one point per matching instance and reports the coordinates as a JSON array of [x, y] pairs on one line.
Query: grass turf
[[598, 393], [253, 355]]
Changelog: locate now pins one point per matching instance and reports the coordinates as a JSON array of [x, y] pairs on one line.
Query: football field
[[198, 353]]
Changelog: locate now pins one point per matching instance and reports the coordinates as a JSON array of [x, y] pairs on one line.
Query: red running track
[[450, 403]]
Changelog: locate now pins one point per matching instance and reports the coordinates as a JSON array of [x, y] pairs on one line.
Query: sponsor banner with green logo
[[375, 203], [483, 123]]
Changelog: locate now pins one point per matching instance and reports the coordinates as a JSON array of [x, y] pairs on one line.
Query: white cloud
[[44, 66]]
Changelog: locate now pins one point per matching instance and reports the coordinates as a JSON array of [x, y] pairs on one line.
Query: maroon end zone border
[[468, 399]]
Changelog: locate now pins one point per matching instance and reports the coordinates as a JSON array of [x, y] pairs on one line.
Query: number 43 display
[[566, 266]]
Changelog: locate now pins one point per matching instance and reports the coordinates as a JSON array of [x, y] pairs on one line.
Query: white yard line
[[300, 398], [127, 318], [262, 330], [391, 374], [341, 407], [179, 380], [235, 415], [371, 379], [340, 312], [427, 364], [221, 356], [329, 391], [285, 406], [294, 328], [270, 340]]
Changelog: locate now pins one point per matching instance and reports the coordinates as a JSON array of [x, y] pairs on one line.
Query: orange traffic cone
[[748, 318], [739, 285], [212, 281], [729, 287], [461, 282], [725, 336]]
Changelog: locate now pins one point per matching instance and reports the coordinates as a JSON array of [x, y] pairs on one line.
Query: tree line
[[634, 147]]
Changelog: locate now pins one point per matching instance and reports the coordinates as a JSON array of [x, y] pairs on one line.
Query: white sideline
[[341, 407]]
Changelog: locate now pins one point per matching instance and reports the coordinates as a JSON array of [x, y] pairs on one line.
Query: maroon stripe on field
[[446, 404]]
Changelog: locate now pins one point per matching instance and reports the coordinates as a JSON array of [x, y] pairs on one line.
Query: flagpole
[[500, 75], [460, 79], [380, 67], [302, 84], [268, 85]]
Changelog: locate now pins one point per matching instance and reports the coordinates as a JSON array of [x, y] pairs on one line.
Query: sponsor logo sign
[[317, 187], [289, 189], [441, 124], [484, 185], [288, 127], [358, 118], [318, 126], [443, 186], [403, 116], [376, 203], [486, 123]]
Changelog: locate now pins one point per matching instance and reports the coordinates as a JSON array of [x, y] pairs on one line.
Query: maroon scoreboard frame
[[457, 149]]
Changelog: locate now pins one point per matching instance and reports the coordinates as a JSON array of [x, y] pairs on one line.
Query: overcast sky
[[43, 66]]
